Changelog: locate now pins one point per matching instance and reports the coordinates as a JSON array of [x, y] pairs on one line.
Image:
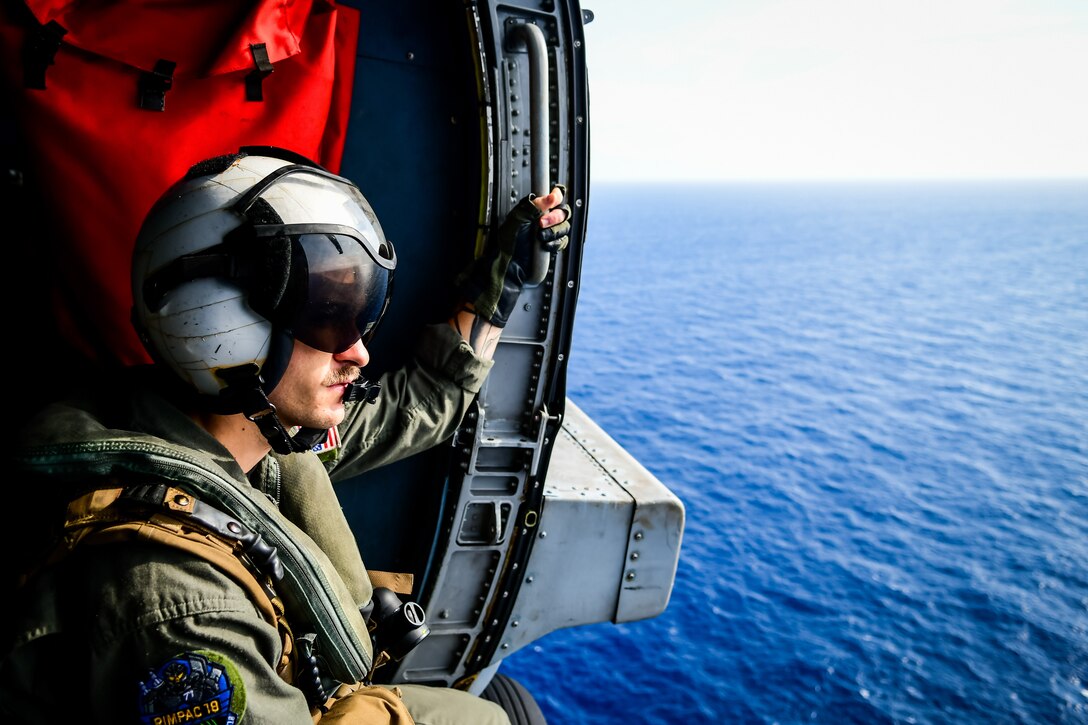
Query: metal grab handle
[[538, 130]]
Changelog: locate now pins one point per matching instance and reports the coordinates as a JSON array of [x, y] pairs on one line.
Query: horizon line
[[838, 179]]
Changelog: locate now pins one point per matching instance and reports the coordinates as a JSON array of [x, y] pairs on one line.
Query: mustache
[[343, 376]]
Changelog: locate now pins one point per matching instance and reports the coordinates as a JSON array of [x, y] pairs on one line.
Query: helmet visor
[[344, 291]]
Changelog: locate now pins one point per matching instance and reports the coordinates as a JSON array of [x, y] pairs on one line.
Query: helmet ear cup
[[269, 274], [267, 262]]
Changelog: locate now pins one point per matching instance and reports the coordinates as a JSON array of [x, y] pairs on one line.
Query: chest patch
[[328, 448], [194, 687]]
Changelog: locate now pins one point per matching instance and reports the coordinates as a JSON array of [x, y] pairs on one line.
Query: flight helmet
[[247, 253]]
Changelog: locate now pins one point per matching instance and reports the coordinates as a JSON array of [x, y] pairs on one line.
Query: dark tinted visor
[[346, 291]]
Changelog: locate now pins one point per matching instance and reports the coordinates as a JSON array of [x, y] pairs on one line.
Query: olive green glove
[[493, 282]]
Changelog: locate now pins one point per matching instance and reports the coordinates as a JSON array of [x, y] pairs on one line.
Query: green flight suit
[[101, 635]]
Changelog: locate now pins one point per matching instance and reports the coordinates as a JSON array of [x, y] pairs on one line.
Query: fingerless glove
[[493, 282]]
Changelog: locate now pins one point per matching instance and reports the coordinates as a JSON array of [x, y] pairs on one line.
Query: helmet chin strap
[[278, 437], [258, 408]]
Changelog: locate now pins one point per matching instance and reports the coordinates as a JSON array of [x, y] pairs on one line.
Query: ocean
[[873, 401]]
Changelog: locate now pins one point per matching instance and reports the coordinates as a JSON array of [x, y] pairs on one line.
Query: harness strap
[[260, 553], [166, 515], [399, 582]]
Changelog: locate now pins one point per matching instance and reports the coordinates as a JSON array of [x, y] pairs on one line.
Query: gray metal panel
[[657, 527], [608, 540], [504, 445], [502, 452]]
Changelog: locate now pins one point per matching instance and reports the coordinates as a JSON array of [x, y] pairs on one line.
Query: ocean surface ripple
[[873, 402]]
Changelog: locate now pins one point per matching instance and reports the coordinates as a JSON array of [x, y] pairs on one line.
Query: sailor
[[183, 554]]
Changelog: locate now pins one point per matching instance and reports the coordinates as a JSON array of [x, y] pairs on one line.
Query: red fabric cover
[[103, 161]]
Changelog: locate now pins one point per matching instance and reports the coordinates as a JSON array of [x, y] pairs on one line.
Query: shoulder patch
[[193, 687]]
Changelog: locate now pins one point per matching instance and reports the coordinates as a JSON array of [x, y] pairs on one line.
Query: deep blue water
[[873, 402]]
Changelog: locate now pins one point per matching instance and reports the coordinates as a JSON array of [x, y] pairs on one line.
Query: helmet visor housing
[[340, 277], [338, 291]]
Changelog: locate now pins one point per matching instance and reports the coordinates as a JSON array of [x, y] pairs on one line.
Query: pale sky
[[837, 89]]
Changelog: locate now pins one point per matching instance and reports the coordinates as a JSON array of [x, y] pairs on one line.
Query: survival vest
[[164, 515], [168, 516]]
